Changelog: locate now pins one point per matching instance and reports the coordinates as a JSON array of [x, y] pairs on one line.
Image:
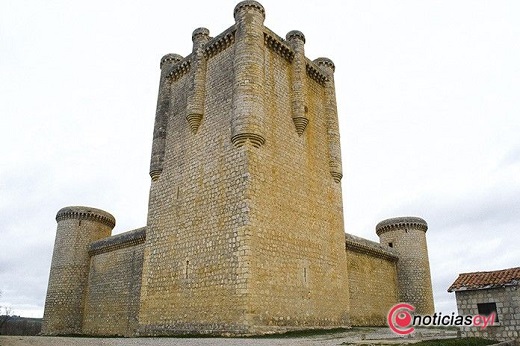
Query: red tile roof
[[481, 280]]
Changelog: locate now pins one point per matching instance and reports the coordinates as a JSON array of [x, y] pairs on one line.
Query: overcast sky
[[428, 99]]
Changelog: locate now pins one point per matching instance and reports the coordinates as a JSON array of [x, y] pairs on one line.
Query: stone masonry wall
[[507, 300], [298, 266], [194, 274], [372, 276], [112, 300]]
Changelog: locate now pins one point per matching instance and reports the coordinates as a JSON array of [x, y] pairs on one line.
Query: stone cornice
[[220, 42], [401, 222], [119, 241], [316, 73], [86, 213], [180, 69], [278, 45], [364, 246]]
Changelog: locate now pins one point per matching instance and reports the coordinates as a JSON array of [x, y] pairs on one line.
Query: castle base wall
[[112, 300], [372, 279]]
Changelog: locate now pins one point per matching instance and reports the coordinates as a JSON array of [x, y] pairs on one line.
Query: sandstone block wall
[[194, 273], [298, 267], [507, 301], [372, 277], [114, 285]]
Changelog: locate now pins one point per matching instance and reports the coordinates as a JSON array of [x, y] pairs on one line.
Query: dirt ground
[[375, 336]]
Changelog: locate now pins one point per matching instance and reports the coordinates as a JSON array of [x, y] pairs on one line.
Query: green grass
[[301, 333], [457, 342], [441, 342]]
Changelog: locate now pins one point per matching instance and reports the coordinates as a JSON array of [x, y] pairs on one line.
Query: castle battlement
[[86, 213], [118, 241], [401, 222]]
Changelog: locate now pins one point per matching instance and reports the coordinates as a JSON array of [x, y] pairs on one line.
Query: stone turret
[[336, 169], [196, 94], [299, 110], [248, 65], [77, 228], [161, 115], [407, 235]]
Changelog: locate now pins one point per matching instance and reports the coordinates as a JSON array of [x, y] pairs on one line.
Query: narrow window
[[305, 275], [186, 271], [487, 309]]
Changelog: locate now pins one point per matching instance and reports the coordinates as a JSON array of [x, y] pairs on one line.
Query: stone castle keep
[[245, 227]]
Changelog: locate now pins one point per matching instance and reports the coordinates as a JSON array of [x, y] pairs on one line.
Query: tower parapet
[[407, 235], [77, 228]]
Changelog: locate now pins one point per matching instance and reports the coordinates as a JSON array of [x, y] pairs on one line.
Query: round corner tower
[[407, 236], [77, 228]]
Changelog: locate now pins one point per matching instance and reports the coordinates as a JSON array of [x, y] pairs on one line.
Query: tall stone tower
[[77, 228], [245, 225], [407, 235]]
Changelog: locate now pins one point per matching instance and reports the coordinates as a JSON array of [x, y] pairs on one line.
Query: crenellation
[[401, 222], [367, 247], [180, 69], [116, 242], [278, 46], [220, 42], [315, 73], [170, 59], [85, 213], [250, 6]]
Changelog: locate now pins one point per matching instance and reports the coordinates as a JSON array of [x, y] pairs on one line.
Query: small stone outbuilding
[[485, 292]]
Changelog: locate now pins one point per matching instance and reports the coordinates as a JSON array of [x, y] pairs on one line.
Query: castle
[[245, 223]]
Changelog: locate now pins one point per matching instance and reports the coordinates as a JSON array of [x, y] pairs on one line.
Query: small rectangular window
[[487, 309], [391, 244]]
